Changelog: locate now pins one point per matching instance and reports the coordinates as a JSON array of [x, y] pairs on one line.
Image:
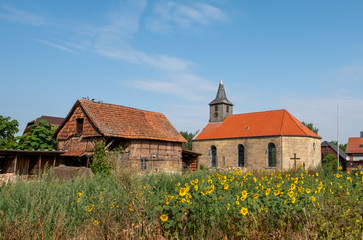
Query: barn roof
[[335, 148], [56, 121], [269, 123], [355, 145], [113, 120]]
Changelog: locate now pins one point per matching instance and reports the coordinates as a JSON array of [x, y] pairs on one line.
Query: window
[[271, 150], [79, 126], [213, 154], [216, 108], [241, 156], [143, 164], [360, 145], [216, 114], [227, 109]]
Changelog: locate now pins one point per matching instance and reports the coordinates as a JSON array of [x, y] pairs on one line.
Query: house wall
[[256, 156], [159, 155]]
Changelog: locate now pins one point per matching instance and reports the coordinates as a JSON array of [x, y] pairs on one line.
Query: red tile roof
[[353, 145], [119, 121], [269, 123]]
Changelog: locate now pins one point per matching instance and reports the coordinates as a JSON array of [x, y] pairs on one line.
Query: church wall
[[256, 156], [304, 149]]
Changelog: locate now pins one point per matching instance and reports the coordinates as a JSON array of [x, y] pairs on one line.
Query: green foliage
[[189, 137], [99, 165], [8, 128], [341, 146], [37, 137], [202, 205], [311, 127], [330, 163]]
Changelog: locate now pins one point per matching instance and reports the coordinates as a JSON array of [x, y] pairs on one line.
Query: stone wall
[[256, 156], [306, 148]]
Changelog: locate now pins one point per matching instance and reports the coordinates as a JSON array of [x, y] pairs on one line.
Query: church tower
[[220, 107]]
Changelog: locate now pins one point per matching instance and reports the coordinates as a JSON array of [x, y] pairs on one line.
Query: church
[[273, 140]]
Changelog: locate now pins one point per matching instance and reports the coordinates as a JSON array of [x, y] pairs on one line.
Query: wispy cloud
[[20, 16], [186, 86], [166, 14], [55, 46]]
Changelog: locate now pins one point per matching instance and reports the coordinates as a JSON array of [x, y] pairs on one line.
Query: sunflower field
[[208, 204]]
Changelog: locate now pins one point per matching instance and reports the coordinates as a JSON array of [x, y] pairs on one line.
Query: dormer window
[[79, 126]]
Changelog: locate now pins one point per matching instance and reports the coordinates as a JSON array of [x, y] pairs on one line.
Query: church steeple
[[220, 107]]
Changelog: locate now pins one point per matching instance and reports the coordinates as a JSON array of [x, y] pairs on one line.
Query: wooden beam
[[55, 159], [15, 161], [40, 164], [87, 161]]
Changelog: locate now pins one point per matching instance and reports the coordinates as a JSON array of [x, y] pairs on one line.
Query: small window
[[215, 114], [143, 165], [79, 126], [227, 109], [216, 108], [360, 145], [271, 155]]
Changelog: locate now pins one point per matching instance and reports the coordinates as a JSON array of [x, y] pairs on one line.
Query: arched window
[[271, 155], [213, 156], [241, 156]]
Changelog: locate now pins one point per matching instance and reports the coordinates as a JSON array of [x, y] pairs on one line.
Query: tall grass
[[157, 206]]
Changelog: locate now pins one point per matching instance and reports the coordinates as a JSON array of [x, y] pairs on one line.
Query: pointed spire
[[221, 96]]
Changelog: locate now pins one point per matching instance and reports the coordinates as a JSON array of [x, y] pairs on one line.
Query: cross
[[295, 158]]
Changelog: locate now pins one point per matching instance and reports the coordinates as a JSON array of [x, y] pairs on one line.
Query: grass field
[[199, 205]]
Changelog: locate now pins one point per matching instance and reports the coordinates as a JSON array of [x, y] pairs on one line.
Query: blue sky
[[169, 57]]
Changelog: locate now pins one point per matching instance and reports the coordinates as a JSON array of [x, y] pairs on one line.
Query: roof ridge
[[138, 109]]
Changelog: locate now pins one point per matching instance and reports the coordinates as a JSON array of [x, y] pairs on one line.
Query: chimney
[[361, 134]]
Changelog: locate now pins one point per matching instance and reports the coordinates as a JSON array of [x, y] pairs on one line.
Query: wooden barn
[[149, 140]]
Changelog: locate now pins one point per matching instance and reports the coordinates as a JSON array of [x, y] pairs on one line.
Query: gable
[[269, 123], [68, 127]]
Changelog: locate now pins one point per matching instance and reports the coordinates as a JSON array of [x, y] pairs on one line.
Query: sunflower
[[290, 193], [308, 190], [277, 192], [225, 187], [244, 193], [91, 208], [312, 198], [293, 200], [164, 218], [95, 222], [244, 211], [182, 192], [255, 196], [196, 187], [292, 187]]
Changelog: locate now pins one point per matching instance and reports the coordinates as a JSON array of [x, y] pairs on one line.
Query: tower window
[[227, 109], [79, 126], [216, 108]]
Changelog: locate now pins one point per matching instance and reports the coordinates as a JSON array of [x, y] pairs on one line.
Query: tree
[[37, 137], [330, 163], [189, 137], [311, 127], [8, 128], [341, 146]]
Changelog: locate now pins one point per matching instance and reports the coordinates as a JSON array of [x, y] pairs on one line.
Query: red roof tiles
[[118, 121], [269, 123], [354, 144]]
